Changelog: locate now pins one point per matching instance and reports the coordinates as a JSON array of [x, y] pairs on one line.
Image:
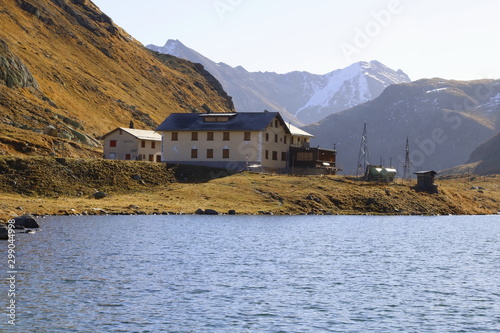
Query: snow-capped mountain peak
[[348, 87], [301, 97]]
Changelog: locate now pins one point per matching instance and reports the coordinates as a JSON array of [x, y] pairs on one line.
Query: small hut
[[425, 181]]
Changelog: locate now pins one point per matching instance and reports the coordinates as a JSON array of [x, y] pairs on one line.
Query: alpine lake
[[188, 273]]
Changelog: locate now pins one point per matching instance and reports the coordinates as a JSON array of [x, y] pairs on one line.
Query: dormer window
[[217, 117]]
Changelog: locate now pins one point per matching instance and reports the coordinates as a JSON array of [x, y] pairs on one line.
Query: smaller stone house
[[132, 144]]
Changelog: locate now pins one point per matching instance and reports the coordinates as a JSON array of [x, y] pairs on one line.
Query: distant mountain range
[[301, 97], [444, 120]]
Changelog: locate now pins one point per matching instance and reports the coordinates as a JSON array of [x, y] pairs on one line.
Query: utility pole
[[407, 173], [363, 154]]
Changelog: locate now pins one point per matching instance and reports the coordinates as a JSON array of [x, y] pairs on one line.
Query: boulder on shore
[[200, 211], [211, 212], [26, 221], [99, 195], [4, 233]]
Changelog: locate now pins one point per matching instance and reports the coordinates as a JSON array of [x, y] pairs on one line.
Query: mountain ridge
[[445, 120], [69, 74], [300, 96], [484, 160]]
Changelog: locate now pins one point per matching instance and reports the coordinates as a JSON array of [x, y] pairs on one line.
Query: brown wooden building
[[305, 160]]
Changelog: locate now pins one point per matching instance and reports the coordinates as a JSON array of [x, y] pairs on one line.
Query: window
[[210, 136], [275, 137], [175, 136], [247, 136], [153, 144], [216, 119], [267, 154], [285, 139], [267, 137], [143, 144], [275, 155], [194, 153], [283, 156], [225, 153], [158, 158], [194, 136], [151, 158], [210, 153], [305, 156], [127, 156], [225, 136], [276, 123], [112, 143]]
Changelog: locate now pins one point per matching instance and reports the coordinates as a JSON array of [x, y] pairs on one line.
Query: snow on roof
[[297, 131], [142, 134]]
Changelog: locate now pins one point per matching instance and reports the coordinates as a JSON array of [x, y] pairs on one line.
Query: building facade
[[234, 141], [132, 144]]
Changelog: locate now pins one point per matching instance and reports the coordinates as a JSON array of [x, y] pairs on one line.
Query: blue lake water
[[257, 274]]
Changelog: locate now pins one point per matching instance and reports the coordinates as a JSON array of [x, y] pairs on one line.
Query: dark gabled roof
[[240, 121], [431, 172]]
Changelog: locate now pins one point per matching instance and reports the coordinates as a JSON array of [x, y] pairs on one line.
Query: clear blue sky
[[452, 39]]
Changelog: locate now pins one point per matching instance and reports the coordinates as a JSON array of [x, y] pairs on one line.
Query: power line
[[363, 156], [407, 173]]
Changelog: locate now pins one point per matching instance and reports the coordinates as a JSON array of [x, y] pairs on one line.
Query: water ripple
[[260, 274]]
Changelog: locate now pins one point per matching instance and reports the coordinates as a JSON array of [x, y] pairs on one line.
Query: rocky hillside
[[300, 97], [68, 75], [484, 160], [444, 121]]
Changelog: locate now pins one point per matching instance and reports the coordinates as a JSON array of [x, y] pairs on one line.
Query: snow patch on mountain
[[322, 96], [348, 87], [300, 97], [436, 90]]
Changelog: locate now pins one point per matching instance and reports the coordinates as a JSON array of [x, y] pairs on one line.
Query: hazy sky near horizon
[[451, 39]]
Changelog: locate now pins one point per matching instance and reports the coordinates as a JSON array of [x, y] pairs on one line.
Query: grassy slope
[[50, 186], [99, 79]]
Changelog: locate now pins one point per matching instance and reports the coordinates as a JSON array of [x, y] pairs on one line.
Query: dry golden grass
[[249, 193], [102, 79]]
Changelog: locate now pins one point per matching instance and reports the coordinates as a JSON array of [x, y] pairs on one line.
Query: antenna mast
[[363, 154], [407, 162]]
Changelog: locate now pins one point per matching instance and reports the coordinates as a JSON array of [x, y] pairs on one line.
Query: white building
[[132, 144], [236, 141]]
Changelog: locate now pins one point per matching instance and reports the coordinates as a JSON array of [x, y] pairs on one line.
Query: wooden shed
[[425, 181]]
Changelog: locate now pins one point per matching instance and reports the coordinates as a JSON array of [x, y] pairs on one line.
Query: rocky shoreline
[[27, 223], [54, 186]]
